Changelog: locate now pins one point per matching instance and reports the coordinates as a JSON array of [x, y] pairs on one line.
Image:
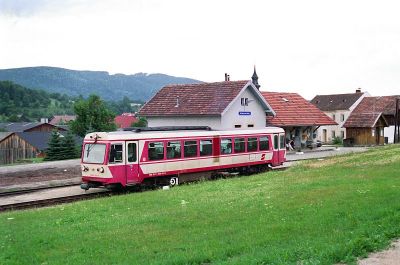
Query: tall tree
[[92, 115], [54, 151], [69, 148]]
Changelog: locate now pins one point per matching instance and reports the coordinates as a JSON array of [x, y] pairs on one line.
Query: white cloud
[[310, 47]]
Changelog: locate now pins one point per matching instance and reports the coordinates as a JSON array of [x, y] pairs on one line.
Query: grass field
[[319, 212]]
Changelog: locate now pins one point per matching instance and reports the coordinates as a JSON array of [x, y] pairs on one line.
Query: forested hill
[[139, 86], [18, 103]]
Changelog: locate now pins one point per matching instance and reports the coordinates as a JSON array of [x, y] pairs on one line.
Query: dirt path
[[390, 256]]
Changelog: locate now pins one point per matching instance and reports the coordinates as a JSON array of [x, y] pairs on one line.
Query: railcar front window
[[94, 153], [264, 143], [115, 154]]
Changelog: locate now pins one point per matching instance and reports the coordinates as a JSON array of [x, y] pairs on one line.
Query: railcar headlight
[[101, 170], [85, 168]]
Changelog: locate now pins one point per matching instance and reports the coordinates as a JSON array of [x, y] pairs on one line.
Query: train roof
[[132, 135]]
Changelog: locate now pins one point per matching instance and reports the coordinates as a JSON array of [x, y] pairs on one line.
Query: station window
[[156, 151], [264, 143], [342, 134], [251, 144], [226, 146], [333, 134], [276, 139], [132, 152], [239, 145], [250, 125], [174, 150], [238, 126], [115, 153], [334, 117], [205, 147], [190, 148], [341, 117], [244, 101], [282, 141]]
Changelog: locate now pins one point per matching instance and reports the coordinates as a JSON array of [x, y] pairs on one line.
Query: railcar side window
[[251, 144], [156, 151], [239, 145], [132, 152], [282, 141], [264, 143], [115, 153], [174, 150], [205, 147], [190, 148], [226, 146], [276, 141]]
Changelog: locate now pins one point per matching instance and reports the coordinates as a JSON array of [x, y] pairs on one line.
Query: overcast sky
[[308, 47]]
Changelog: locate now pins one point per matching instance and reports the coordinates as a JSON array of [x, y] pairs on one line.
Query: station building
[[220, 105]]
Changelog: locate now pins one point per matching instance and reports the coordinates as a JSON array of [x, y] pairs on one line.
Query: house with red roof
[[339, 108], [374, 119], [219, 105], [125, 120], [299, 118]]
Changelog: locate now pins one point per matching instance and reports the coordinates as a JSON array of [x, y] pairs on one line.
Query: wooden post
[[397, 123]]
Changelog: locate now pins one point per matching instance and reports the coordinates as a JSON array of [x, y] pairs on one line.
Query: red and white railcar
[[125, 158]]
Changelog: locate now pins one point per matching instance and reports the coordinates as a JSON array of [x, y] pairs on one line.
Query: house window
[[205, 147], [251, 144], [373, 132], [382, 133], [239, 145], [173, 150], [334, 117], [244, 101], [341, 117], [238, 126], [250, 125], [342, 134], [156, 151], [333, 134], [190, 149]]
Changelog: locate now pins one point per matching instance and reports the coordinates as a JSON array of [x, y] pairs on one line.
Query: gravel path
[[390, 256]]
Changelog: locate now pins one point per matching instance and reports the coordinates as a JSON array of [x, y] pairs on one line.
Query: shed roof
[[336, 101], [196, 99], [367, 113], [125, 120], [293, 110], [19, 126], [57, 119], [4, 135]]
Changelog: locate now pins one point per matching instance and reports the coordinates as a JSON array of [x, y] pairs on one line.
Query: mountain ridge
[[138, 86]]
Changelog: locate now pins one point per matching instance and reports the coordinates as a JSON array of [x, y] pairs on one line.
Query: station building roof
[[293, 110]]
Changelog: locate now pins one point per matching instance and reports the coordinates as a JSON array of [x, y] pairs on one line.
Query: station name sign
[[244, 113]]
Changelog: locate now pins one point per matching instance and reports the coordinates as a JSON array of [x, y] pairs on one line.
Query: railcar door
[[275, 145], [132, 164], [282, 148]]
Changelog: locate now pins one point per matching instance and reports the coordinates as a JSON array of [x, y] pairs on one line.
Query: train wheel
[[174, 181]]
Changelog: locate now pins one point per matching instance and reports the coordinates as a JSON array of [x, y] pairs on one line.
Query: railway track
[[26, 191], [52, 201]]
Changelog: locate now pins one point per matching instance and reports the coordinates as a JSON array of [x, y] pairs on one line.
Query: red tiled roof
[[193, 99], [125, 120], [293, 110], [366, 114], [57, 119]]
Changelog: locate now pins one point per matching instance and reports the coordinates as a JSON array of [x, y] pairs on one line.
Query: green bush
[[337, 140]]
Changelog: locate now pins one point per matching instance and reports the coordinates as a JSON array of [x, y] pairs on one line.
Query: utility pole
[[397, 123]]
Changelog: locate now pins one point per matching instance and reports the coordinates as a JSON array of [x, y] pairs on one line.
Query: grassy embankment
[[320, 212]]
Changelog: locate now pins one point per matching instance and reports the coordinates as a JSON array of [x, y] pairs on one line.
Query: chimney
[[358, 90], [227, 77]]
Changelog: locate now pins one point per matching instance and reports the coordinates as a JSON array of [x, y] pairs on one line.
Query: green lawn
[[319, 212]]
